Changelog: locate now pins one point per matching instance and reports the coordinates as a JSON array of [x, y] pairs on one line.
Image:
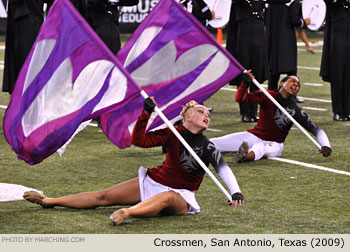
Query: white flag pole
[[214, 5], [286, 113], [186, 145]]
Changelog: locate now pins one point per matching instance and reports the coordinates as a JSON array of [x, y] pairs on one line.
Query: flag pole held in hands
[[188, 147], [285, 112]]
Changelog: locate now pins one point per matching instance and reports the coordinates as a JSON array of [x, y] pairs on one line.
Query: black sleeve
[[304, 120], [128, 2], [213, 156], [200, 10], [294, 14]]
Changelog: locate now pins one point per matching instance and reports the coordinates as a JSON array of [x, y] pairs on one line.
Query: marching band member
[[168, 189], [200, 10], [281, 21], [267, 137], [335, 66], [246, 42]]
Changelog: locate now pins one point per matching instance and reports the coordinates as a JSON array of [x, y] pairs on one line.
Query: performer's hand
[[212, 14], [248, 77], [307, 21], [325, 151], [149, 105], [237, 198]]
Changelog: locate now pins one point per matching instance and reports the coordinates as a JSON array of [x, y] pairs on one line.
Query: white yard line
[[304, 50], [214, 130], [2, 47], [93, 125], [2, 106], [309, 68], [311, 166], [312, 108], [316, 43], [314, 99], [229, 89], [305, 98], [313, 84]]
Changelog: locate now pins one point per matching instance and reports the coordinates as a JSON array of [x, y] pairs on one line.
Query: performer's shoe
[[241, 153], [254, 118], [310, 50], [247, 119], [36, 198], [339, 117]]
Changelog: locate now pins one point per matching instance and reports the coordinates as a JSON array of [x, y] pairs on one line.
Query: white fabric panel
[[142, 43], [41, 53], [55, 101]]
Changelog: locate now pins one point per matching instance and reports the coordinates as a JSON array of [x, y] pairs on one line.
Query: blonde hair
[[188, 106]]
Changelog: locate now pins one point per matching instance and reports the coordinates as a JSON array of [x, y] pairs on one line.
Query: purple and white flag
[[70, 76], [172, 57]]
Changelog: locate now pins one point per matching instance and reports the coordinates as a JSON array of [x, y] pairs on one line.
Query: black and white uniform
[[180, 172], [335, 67], [199, 9], [246, 42], [281, 21], [103, 16], [267, 137], [24, 20]]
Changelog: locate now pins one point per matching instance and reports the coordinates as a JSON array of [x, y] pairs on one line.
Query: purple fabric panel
[[60, 135], [181, 27], [115, 124], [174, 90], [62, 50], [157, 17], [75, 39], [200, 96], [175, 26], [115, 127]]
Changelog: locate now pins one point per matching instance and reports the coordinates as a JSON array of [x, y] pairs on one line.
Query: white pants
[[261, 148], [149, 188]]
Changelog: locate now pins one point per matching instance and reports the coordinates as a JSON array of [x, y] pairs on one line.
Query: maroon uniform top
[[273, 125], [179, 170]]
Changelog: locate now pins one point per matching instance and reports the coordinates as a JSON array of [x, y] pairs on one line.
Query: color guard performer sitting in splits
[[267, 137], [169, 188]]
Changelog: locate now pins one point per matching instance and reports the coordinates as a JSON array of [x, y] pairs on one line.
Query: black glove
[[326, 151], [247, 80], [237, 196], [148, 105]]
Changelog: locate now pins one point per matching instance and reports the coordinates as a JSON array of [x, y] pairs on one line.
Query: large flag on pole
[[172, 57], [70, 76]]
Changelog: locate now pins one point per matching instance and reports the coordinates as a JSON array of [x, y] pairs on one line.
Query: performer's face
[[291, 86], [199, 117]]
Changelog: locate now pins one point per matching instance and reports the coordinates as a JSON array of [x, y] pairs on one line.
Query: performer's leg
[[304, 38], [231, 142], [168, 203], [346, 91], [125, 193], [273, 81], [266, 149], [253, 108]]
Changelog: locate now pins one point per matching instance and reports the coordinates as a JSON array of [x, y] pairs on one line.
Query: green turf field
[[280, 197]]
